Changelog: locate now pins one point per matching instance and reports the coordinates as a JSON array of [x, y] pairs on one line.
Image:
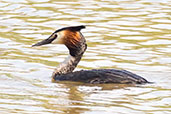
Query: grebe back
[[73, 39]]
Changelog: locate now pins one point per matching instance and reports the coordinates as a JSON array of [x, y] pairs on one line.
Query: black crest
[[72, 28]]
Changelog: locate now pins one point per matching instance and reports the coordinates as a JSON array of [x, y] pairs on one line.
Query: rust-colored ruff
[[71, 38]]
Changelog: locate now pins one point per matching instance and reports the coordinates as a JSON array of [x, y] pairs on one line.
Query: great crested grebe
[[73, 39]]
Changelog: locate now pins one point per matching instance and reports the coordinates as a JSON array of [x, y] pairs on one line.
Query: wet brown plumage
[[71, 39]]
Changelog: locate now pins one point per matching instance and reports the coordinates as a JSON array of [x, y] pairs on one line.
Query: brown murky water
[[124, 34]]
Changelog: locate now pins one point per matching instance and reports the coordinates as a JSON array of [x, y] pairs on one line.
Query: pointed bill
[[46, 41]]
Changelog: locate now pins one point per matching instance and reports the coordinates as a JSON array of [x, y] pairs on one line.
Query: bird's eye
[[55, 35]]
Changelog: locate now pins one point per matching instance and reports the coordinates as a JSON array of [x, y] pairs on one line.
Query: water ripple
[[123, 34]]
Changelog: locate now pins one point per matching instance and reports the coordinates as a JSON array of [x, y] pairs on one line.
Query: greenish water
[[124, 34]]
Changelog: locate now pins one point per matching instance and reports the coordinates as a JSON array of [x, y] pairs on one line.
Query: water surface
[[123, 34]]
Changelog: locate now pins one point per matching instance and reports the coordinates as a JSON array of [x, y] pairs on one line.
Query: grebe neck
[[70, 63]]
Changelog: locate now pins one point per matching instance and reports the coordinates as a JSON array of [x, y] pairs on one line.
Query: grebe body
[[100, 76], [73, 39]]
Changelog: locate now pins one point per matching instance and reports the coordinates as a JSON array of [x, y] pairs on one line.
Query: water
[[122, 34]]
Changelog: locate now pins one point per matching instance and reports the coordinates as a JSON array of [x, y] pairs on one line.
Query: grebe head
[[71, 37]]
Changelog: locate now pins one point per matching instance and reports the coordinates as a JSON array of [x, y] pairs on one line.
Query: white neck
[[70, 63]]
